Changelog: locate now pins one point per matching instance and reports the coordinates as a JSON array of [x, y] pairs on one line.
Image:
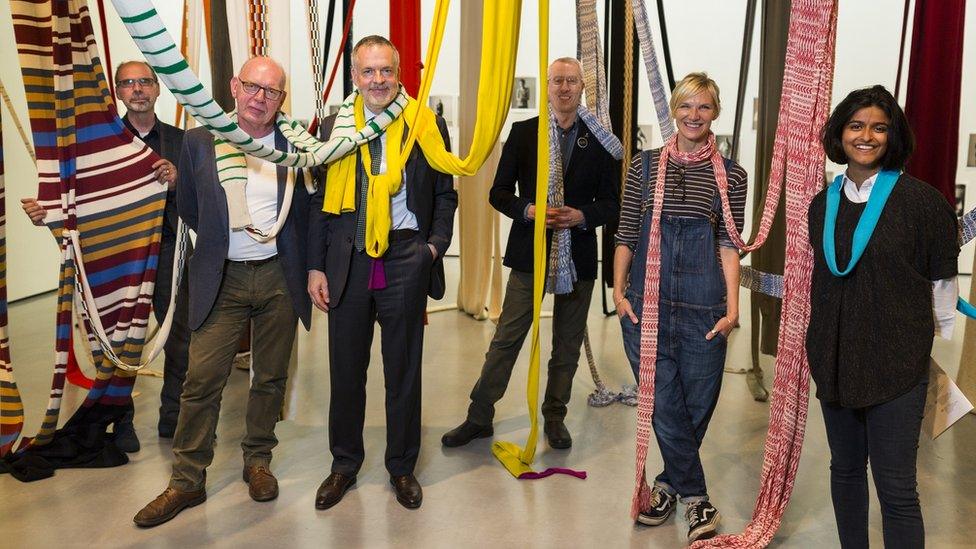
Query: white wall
[[704, 36]]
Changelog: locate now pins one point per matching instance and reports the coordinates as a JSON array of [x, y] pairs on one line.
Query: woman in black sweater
[[871, 317]]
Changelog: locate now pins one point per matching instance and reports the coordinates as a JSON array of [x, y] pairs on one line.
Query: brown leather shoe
[[332, 489], [408, 491], [167, 505], [261, 484]]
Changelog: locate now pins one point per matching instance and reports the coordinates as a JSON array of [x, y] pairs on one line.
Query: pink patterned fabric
[[804, 108]]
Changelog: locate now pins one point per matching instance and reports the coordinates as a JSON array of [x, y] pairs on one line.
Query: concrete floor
[[470, 500]]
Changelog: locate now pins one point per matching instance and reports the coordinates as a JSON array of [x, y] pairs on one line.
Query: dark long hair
[[901, 140]]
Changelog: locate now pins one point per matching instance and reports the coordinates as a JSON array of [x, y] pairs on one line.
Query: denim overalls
[[689, 367]]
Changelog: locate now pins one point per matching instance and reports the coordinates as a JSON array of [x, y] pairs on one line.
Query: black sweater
[[870, 333]]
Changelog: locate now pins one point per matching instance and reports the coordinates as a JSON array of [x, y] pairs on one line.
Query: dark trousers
[[568, 327], [886, 435], [399, 310], [247, 294], [177, 347]]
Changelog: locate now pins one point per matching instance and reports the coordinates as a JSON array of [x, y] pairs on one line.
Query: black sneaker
[[703, 519], [662, 505]]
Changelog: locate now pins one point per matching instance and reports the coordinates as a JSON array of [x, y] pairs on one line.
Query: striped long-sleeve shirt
[[689, 191]]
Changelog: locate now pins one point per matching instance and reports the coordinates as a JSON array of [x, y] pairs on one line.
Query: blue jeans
[[689, 368], [887, 435]]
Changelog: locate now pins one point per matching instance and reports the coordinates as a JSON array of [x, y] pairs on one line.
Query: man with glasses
[[590, 176], [240, 277], [138, 89]]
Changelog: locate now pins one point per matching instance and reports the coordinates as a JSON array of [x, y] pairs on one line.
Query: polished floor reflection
[[470, 500]]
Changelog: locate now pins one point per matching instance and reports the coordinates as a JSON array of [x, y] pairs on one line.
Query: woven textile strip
[[11, 408], [315, 49], [589, 51], [805, 105], [96, 182], [257, 20], [652, 69]]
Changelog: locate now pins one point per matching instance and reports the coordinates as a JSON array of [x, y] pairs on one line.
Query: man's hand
[[563, 217], [33, 210], [530, 213], [318, 289], [165, 173], [433, 251]]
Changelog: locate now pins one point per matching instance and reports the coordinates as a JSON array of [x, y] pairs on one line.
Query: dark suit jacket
[[203, 206], [590, 185], [430, 196]]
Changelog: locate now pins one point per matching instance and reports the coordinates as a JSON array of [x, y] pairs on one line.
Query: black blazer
[[590, 185], [203, 206], [430, 196]]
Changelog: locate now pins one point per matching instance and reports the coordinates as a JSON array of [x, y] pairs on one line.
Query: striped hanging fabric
[[103, 205], [804, 108], [11, 408], [315, 49], [257, 27]]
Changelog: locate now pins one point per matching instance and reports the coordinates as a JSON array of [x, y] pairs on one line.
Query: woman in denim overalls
[[698, 302]]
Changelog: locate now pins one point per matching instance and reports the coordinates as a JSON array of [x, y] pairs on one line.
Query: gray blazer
[[202, 204]]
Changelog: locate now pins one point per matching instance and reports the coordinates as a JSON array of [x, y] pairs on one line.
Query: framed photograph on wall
[[644, 137], [445, 106], [971, 151], [960, 200], [524, 92], [724, 145]]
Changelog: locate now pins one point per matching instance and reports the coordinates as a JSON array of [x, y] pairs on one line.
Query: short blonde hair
[[692, 85]]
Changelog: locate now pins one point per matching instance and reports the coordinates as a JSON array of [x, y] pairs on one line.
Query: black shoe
[[166, 430], [408, 491], [703, 519], [557, 435], [332, 489], [465, 433], [662, 506], [124, 434]]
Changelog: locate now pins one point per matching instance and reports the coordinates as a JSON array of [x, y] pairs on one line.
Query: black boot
[[125, 434]]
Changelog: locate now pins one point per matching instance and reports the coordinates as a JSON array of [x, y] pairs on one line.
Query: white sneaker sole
[[653, 521], [705, 531]]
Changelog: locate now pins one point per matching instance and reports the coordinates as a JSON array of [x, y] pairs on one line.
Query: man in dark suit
[[237, 280], [590, 178], [137, 87], [422, 225]]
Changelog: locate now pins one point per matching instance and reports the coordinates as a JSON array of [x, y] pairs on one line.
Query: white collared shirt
[[262, 203], [944, 292]]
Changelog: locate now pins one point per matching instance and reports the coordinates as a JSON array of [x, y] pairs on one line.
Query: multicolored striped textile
[[257, 19], [804, 107], [103, 203], [652, 69], [589, 51], [11, 408]]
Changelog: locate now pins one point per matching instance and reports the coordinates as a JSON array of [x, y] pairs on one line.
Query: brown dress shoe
[[408, 491], [167, 505], [261, 484], [332, 489]]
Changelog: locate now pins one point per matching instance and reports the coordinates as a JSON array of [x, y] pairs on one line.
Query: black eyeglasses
[[129, 82], [681, 183], [251, 88]]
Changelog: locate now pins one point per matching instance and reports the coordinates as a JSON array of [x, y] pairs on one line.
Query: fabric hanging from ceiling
[[405, 35], [194, 19], [96, 183], [221, 64], [11, 407], [933, 92], [766, 310], [805, 106], [480, 284]]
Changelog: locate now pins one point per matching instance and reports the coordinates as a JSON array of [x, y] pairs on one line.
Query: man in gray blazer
[[237, 280]]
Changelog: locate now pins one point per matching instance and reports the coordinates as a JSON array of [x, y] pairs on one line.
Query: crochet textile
[[11, 408], [105, 207]]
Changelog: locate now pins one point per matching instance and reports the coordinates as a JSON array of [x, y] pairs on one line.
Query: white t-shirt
[[262, 202]]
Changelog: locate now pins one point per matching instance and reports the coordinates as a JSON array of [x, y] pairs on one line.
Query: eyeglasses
[[130, 82], [251, 88], [560, 80], [681, 183]]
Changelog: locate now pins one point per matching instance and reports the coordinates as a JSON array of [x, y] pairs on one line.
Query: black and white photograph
[[723, 143], [971, 151], [443, 105], [960, 199], [644, 137], [524, 93]]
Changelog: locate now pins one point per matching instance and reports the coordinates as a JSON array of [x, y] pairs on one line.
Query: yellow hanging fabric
[[518, 460]]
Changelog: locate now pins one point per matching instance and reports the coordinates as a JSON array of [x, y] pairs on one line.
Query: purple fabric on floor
[[553, 471]]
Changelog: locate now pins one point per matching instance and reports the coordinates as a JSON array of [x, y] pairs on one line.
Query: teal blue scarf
[[883, 186]]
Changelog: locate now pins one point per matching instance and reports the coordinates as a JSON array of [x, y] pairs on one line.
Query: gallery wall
[[703, 35]]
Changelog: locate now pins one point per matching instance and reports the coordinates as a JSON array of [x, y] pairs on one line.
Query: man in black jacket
[[590, 197], [341, 276], [137, 87]]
